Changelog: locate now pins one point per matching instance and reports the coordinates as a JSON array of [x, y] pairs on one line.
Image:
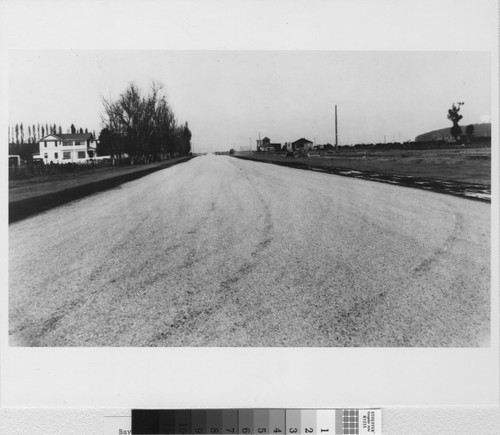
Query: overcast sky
[[228, 97]]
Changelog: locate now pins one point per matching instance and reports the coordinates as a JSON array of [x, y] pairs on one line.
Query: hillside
[[480, 130]]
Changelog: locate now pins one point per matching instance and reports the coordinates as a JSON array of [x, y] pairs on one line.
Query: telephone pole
[[336, 131]]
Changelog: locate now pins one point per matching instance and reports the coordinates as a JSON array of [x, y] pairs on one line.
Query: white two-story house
[[67, 148]]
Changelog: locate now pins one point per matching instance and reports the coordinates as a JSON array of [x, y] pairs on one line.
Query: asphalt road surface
[[224, 252]]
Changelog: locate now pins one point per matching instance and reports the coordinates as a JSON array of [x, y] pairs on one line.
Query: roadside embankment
[[458, 173], [27, 199]]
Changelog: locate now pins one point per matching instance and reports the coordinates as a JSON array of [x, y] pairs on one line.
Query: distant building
[[67, 148], [266, 145], [327, 146], [14, 160], [262, 144], [302, 144]]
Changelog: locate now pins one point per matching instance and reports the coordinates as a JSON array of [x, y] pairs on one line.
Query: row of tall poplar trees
[[19, 134]]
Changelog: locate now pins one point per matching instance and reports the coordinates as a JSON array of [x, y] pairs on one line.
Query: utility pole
[[336, 131]]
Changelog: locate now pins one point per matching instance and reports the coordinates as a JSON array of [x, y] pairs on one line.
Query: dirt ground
[[460, 172], [464, 165], [41, 185], [31, 197]]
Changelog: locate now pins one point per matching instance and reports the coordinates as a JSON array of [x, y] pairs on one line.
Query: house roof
[[301, 140], [76, 136], [70, 136]]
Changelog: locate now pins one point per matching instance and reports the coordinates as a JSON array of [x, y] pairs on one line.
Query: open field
[[462, 172]]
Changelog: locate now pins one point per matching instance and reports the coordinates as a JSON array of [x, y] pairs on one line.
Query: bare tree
[[142, 126]]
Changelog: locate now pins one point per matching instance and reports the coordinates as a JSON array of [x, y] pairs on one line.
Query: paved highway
[[223, 252]]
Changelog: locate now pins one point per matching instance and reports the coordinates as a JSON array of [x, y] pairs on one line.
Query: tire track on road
[[192, 319], [448, 244]]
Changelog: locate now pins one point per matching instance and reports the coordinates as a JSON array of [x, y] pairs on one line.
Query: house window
[[68, 143], [80, 142], [81, 154], [46, 156], [45, 144], [67, 155], [56, 155]]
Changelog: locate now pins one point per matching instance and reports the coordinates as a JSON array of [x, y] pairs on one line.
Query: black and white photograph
[[249, 198], [252, 205]]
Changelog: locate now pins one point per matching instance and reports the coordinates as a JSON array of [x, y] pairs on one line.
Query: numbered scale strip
[[257, 421]]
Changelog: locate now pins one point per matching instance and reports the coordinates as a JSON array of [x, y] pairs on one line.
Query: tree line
[[27, 134], [142, 126]]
